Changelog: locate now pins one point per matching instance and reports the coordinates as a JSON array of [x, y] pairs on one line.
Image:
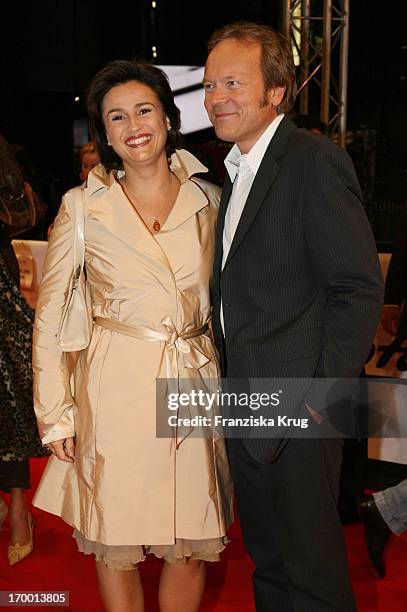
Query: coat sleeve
[[53, 402], [345, 260]]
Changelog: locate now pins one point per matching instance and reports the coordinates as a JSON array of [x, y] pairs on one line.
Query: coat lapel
[[108, 204], [262, 183], [189, 201]]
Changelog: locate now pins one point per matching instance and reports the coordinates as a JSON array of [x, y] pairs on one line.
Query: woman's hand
[[63, 449]]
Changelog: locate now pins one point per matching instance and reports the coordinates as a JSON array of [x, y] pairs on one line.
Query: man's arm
[[345, 261]]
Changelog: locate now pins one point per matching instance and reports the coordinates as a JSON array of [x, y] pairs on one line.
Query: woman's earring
[[109, 144], [168, 125]]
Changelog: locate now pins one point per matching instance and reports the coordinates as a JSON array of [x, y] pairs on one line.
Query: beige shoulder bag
[[76, 323]]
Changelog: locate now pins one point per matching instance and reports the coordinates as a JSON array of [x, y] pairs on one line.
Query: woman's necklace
[[154, 218], [156, 225]]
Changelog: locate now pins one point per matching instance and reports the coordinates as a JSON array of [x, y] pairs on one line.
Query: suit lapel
[[262, 184]]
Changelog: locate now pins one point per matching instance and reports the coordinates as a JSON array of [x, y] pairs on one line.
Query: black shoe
[[377, 533]]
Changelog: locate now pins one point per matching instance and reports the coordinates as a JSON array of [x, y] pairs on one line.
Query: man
[[297, 293]]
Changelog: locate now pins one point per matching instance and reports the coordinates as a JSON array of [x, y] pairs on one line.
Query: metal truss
[[319, 35]]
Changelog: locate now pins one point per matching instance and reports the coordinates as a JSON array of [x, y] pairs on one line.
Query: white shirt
[[242, 170]]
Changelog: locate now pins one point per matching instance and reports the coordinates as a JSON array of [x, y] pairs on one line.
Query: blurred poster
[[186, 85]]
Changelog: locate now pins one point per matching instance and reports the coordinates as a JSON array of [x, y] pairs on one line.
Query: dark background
[[51, 49]]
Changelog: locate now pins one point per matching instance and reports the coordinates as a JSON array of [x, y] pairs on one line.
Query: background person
[[384, 513], [89, 158], [18, 432]]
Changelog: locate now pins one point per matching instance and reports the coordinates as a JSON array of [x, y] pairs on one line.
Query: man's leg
[[253, 496], [304, 483], [291, 527]]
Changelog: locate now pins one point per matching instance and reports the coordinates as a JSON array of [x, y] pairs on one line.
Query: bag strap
[[76, 205]]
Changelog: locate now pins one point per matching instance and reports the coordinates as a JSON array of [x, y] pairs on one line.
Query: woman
[[18, 432], [149, 247]]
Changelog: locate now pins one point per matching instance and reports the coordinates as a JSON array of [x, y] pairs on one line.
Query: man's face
[[235, 100]]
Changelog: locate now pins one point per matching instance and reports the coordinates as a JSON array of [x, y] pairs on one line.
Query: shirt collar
[[255, 156]]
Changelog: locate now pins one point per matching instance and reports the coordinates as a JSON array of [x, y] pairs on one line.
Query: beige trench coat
[[127, 486]]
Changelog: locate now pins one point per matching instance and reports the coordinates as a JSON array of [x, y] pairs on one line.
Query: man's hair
[[277, 64], [118, 73]]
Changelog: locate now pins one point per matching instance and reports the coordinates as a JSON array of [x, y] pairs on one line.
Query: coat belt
[[177, 345]]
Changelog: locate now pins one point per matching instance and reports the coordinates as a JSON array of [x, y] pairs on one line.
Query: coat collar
[[183, 165], [191, 197], [190, 200]]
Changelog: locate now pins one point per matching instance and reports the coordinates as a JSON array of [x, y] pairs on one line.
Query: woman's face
[[135, 123]]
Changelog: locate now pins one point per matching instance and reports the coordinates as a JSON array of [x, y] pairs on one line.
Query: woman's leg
[[18, 516], [14, 479], [120, 590], [181, 586]]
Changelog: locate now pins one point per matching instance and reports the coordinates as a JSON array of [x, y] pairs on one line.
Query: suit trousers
[[291, 527]]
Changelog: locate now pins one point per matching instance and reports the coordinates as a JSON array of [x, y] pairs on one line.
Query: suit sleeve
[[345, 260], [53, 401]]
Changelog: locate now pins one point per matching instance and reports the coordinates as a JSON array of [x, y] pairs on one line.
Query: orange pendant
[[156, 226]]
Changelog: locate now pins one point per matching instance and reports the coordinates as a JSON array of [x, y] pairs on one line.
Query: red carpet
[[55, 565]]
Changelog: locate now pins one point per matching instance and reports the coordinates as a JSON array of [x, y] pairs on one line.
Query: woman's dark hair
[[117, 73], [11, 177]]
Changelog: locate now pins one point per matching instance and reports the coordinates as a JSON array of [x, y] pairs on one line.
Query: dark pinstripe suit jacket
[[302, 288]]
